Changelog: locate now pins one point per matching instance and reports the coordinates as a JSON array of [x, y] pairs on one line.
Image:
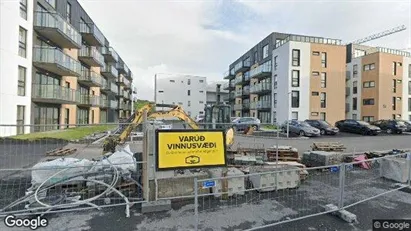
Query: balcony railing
[[238, 107], [103, 102], [242, 66], [120, 67], [253, 105], [109, 54], [229, 74], [264, 104], [231, 96], [91, 34], [246, 106], [53, 94], [52, 26], [55, 61], [113, 104], [261, 88], [261, 71], [109, 71], [238, 79], [126, 94], [91, 56], [91, 78], [246, 91], [238, 93]]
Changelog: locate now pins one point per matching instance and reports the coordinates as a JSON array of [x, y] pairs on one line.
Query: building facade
[[72, 75], [378, 83], [211, 94], [187, 91]]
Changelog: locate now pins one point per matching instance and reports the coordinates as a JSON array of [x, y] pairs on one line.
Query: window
[[189, 103], [201, 81], [275, 63], [201, 102], [160, 91], [21, 85], [316, 53], [324, 59], [275, 81], [52, 3], [394, 85], [23, 9], [369, 67], [355, 71], [354, 116], [294, 115], [255, 57], [323, 116], [296, 58], [46, 116], [295, 99], [275, 100], [409, 104], [314, 113], [201, 91], [68, 12], [409, 87], [315, 93], [354, 103], [188, 92], [368, 101], [189, 82], [22, 42], [172, 81], [265, 51], [20, 119], [82, 116], [409, 71], [354, 87], [368, 118], [323, 99], [316, 73], [394, 103], [295, 81], [368, 84], [394, 68], [323, 80]]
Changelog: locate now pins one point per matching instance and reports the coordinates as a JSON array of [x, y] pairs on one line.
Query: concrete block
[[395, 169], [321, 158], [180, 185], [343, 214], [156, 206], [236, 185], [288, 177]]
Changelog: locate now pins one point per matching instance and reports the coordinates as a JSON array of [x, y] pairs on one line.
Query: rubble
[[328, 146]]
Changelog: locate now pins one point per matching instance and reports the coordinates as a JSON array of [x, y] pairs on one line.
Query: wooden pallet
[[61, 152], [328, 146]]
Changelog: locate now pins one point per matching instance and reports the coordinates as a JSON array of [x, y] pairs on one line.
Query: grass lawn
[[269, 126], [66, 134]]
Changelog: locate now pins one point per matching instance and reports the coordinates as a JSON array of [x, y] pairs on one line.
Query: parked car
[[408, 124], [357, 126], [199, 118], [242, 123], [324, 127], [391, 126], [301, 128]]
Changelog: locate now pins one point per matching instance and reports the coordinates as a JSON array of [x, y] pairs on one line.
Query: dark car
[[242, 123], [357, 126], [391, 126], [408, 124], [324, 127]]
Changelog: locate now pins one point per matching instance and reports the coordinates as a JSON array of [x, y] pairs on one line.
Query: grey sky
[[204, 37]]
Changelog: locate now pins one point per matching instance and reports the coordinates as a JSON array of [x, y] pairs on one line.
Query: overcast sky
[[204, 37]]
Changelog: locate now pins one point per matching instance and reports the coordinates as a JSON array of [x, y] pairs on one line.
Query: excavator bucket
[[229, 137]]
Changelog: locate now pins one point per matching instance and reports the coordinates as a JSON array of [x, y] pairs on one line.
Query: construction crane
[[379, 35]]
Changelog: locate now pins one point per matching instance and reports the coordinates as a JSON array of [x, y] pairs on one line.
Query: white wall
[[349, 84], [283, 72], [10, 21], [406, 97], [177, 92]]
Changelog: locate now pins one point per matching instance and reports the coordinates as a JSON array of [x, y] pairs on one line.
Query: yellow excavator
[[216, 117]]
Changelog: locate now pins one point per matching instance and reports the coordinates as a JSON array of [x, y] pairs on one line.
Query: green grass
[[66, 134], [269, 126]]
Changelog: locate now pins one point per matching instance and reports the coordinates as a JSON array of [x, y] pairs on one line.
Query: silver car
[[301, 128]]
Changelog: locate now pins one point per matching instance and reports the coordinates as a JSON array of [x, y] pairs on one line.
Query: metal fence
[[65, 169]]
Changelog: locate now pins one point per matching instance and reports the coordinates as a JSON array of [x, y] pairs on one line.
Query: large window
[[368, 84], [323, 98], [82, 115], [354, 103], [295, 81], [22, 42], [296, 58], [46, 118], [323, 80], [23, 9], [369, 67], [324, 59], [20, 119], [68, 12], [295, 99], [265, 51], [21, 85], [368, 101], [368, 118]]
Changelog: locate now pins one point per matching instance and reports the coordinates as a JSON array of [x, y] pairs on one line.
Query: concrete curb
[[273, 137]]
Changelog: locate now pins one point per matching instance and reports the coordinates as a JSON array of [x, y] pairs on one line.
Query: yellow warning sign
[[190, 149]]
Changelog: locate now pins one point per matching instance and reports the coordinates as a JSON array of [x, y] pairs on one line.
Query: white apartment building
[[16, 31], [307, 78], [186, 90], [211, 94]]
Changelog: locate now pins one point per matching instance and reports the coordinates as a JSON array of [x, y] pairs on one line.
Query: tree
[[141, 103]]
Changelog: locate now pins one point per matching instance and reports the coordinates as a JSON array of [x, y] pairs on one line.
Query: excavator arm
[[176, 112]]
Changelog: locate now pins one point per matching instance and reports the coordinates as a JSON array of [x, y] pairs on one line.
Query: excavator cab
[[217, 116]]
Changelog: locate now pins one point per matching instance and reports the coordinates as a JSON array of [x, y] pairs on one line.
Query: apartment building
[[211, 94], [378, 83], [66, 72], [300, 78], [186, 90]]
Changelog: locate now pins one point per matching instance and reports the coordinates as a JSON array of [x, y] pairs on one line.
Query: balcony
[[238, 107], [91, 79], [246, 106], [113, 104], [229, 86], [261, 105], [120, 67], [229, 74], [123, 82], [88, 100], [91, 34], [104, 103], [261, 72], [55, 94], [109, 71], [110, 55], [126, 95], [242, 66], [55, 61], [246, 78], [231, 96], [261, 88], [120, 93], [91, 56], [238, 80], [253, 105], [246, 91], [238, 93], [53, 27], [129, 75], [122, 106]]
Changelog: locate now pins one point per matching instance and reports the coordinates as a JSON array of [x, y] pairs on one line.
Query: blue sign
[[209, 184], [334, 169]]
